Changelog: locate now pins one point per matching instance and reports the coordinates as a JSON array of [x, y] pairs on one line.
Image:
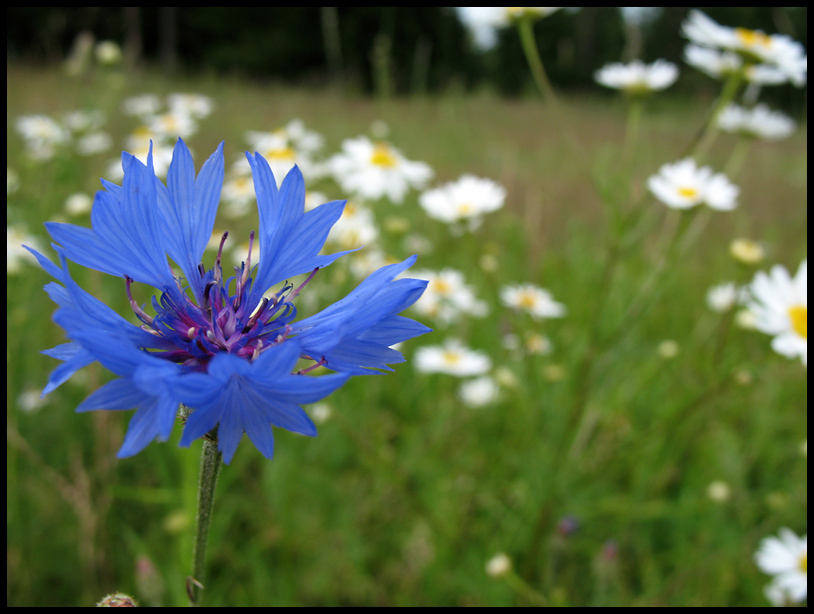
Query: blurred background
[[650, 481], [386, 50]]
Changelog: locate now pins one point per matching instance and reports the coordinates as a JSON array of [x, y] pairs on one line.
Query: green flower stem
[[522, 588], [211, 463], [634, 116], [525, 27], [711, 130]]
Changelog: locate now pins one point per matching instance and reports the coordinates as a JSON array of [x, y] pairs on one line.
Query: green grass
[[407, 493]]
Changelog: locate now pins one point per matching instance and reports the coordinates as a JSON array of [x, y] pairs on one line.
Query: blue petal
[[240, 396], [354, 334], [127, 238], [290, 240], [189, 206]]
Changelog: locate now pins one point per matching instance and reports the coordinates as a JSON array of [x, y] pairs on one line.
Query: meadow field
[[632, 452]]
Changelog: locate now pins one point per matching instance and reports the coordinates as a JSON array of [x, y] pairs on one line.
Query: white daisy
[[754, 46], [17, 236], [467, 199], [452, 358], [355, 228], [374, 170], [42, 135], [638, 78], [723, 297], [758, 122], [785, 558], [287, 146], [537, 301], [683, 185], [196, 106], [143, 105], [447, 296], [478, 392], [780, 306]]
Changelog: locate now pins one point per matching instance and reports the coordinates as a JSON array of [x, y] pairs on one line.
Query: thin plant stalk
[[211, 463], [710, 133], [525, 27]]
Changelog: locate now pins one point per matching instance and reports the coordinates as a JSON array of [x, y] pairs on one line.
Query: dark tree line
[[373, 49]]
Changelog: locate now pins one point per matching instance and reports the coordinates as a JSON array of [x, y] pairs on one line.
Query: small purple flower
[[217, 344]]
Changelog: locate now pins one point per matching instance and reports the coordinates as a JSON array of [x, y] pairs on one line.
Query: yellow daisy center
[[383, 156], [281, 153], [441, 286], [804, 562], [465, 208], [526, 299], [688, 192], [750, 38], [451, 357], [798, 314]]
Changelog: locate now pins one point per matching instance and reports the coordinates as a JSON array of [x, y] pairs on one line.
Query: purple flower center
[[191, 334]]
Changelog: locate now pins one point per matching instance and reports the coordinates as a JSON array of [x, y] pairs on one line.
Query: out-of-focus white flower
[[138, 143], [719, 491], [42, 135], [287, 146], [537, 344], [78, 204], [320, 412], [759, 122], [371, 170], [172, 125], [108, 53], [747, 251], [196, 106], [536, 301], [479, 392], [31, 400], [355, 228], [447, 296], [785, 558], [142, 106], [745, 319], [683, 185], [466, 199], [723, 297], [84, 121], [668, 349], [452, 358], [237, 193], [638, 78], [17, 236], [754, 46], [715, 63], [722, 64], [780, 305], [498, 566], [93, 143]]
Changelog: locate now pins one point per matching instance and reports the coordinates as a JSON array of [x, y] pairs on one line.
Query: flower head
[[638, 78], [683, 185], [467, 199], [452, 358], [374, 170], [536, 301], [759, 122], [785, 558], [780, 306], [448, 297], [222, 345], [753, 46]]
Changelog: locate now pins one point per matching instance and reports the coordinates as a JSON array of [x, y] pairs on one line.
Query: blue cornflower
[[216, 344]]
